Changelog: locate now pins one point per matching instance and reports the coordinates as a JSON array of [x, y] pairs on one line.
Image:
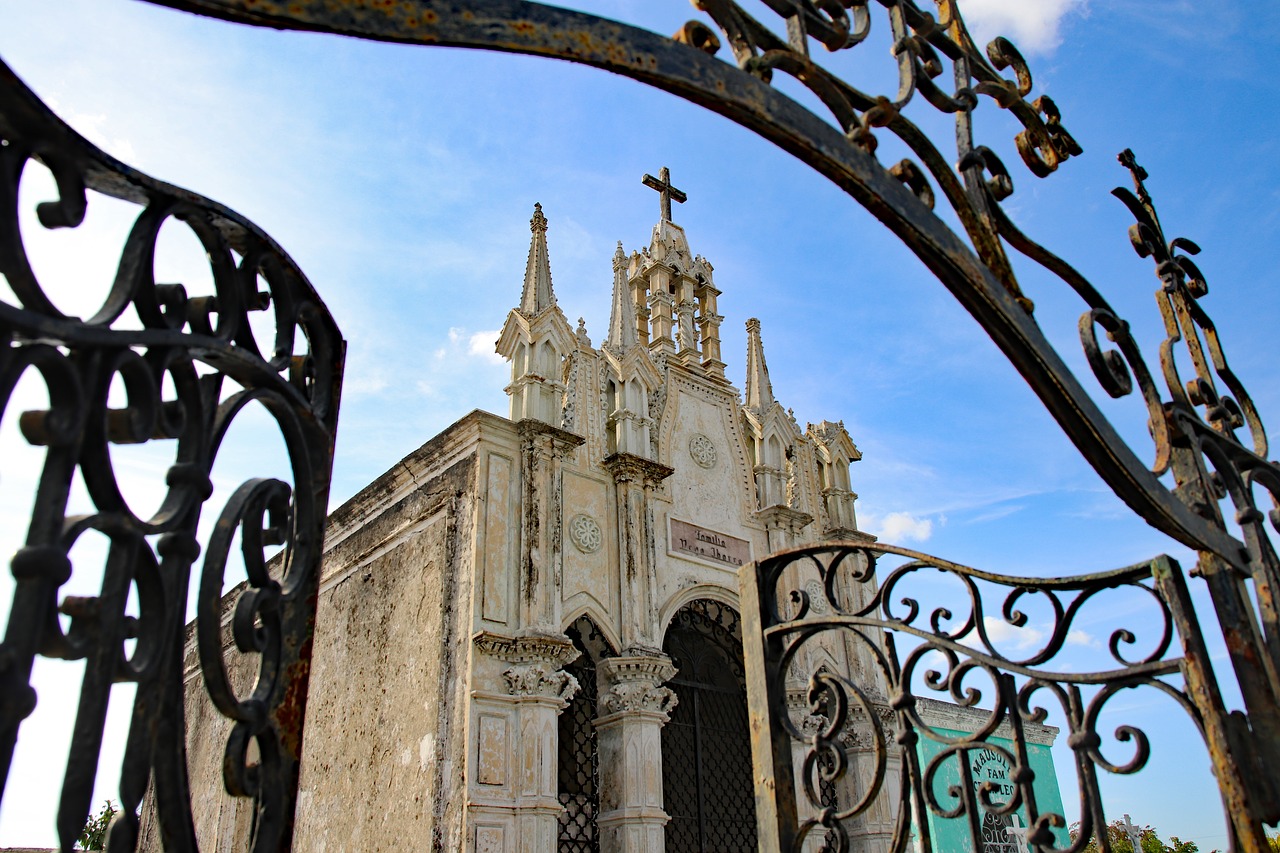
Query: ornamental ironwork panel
[[706, 769], [938, 630], [189, 366]]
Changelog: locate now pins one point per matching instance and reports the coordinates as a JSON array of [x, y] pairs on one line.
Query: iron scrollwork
[[188, 365], [924, 640], [1209, 463]]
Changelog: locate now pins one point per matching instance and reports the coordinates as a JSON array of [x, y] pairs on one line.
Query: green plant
[[94, 834]]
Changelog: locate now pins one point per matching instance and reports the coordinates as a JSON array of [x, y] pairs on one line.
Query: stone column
[[633, 708], [542, 448], [709, 328], [685, 306], [639, 292], [512, 803], [841, 520], [809, 724], [540, 692], [660, 306], [635, 478]]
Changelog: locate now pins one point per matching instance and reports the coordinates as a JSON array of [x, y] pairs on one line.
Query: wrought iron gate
[[1208, 436], [706, 771], [190, 365]]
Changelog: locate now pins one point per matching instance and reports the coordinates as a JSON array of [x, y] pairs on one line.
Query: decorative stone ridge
[[585, 533], [540, 679], [961, 719], [628, 467], [554, 650], [702, 451], [529, 429], [635, 684]]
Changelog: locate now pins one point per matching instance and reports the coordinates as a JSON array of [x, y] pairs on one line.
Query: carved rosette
[[541, 680], [634, 685], [585, 533], [703, 451]]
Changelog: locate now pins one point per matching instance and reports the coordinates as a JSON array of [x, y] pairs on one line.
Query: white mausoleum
[[528, 634]]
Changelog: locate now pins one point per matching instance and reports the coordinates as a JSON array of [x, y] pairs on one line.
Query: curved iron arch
[[977, 272]]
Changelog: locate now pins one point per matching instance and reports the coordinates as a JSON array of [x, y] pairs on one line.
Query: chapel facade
[[528, 634]]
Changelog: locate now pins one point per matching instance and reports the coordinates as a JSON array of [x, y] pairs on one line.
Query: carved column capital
[[541, 680], [634, 684]]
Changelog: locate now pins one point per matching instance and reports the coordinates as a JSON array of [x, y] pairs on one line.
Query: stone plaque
[[721, 549]]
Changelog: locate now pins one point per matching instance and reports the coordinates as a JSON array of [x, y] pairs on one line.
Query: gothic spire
[[622, 319], [537, 295], [759, 389]]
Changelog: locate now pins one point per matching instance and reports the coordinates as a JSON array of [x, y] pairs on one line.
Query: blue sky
[[402, 179]]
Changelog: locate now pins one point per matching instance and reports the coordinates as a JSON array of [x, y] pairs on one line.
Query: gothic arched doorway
[[578, 765], [706, 746]]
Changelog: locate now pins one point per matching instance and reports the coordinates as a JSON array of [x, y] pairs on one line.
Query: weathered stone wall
[[384, 744], [382, 751]]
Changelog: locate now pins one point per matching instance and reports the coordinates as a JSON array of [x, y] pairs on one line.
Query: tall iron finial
[[662, 184]]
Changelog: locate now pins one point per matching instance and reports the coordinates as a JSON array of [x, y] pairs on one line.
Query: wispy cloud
[[1080, 637], [1009, 637], [1035, 26]]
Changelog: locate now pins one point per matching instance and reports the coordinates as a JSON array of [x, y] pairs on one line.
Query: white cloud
[[94, 127], [1033, 25], [1080, 637], [481, 345], [463, 345], [1006, 637], [899, 527]]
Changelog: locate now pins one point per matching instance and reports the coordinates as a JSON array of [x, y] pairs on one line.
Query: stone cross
[[662, 184], [1134, 834], [1018, 833]]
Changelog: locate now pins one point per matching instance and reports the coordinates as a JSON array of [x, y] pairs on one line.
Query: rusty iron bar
[[295, 376]]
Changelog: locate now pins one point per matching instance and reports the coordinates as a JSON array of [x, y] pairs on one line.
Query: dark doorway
[[578, 765], [706, 746]]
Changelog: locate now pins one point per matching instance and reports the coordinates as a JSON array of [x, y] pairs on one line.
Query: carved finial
[[622, 317], [537, 295], [759, 389]]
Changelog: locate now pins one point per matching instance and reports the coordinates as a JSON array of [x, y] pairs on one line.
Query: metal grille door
[[706, 747], [578, 766]]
